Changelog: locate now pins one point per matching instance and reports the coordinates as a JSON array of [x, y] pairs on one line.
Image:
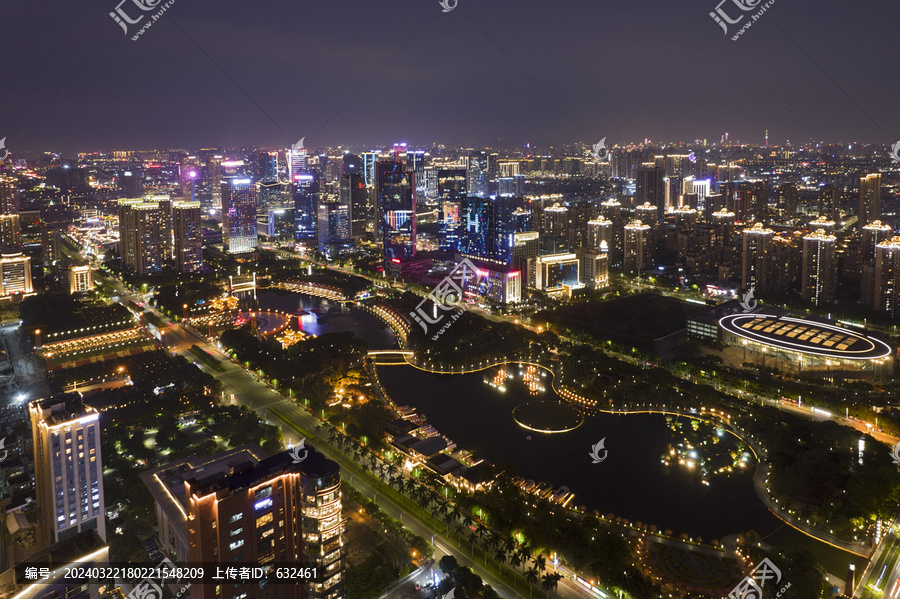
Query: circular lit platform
[[547, 416]]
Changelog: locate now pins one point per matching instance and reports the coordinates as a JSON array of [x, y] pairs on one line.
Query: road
[[881, 577]]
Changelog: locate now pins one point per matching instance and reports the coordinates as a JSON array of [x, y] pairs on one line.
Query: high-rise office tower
[[817, 282], [188, 235], [305, 190], [368, 167], [598, 231], [351, 164], [214, 179], [415, 163], [15, 274], [685, 219], [68, 468], [651, 189], [333, 226], [354, 195], [489, 227], [273, 512], [869, 198], [887, 278], [268, 166], [297, 159], [188, 173], [239, 215], [452, 195], [638, 254], [143, 235], [478, 175], [786, 202], [396, 210], [757, 249], [714, 203], [81, 279], [10, 229], [829, 201]]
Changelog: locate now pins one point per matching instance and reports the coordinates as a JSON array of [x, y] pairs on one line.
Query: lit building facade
[[638, 254], [819, 272], [239, 216], [396, 207], [143, 235], [887, 278], [757, 249], [15, 275], [188, 236], [68, 467], [451, 189], [869, 198], [271, 513], [557, 273], [81, 279], [333, 226]]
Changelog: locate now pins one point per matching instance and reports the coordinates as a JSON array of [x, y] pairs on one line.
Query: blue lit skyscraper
[[452, 194], [396, 210], [489, 227], [304, 190]]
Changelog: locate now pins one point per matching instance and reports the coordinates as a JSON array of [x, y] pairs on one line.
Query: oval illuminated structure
[[805, 337]]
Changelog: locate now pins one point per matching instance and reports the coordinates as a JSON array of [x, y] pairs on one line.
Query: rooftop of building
[[63, 408], [806, 336]]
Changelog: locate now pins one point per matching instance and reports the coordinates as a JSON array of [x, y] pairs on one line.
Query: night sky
[[491, 72]]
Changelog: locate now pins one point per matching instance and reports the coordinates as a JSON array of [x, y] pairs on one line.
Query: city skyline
[[555, 73]]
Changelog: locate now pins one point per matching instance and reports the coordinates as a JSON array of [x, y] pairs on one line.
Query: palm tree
[[541, 562], [467, 520], [456, 514], [547, 583], [531, 575], [500, 556]]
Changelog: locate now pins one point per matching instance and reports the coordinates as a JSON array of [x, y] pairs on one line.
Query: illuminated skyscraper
[[188, 236], [817, 283], [787, 202], [757, 249], [368, 167], [355, 195], [296, 163], [829, 202], [305, 190], [651, 189], [612, 210], [214, 179], [9, 212], [479, 177], [68, 468], [872, 234], [638, 249], [415, 163], [869, 199], [396, 218], [143, 235], [489, 227], [452, 195], [647, 214], [239, 216], [887, 278], [333, 226]]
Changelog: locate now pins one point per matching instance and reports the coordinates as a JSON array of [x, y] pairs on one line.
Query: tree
[[540, 562], [531, 575]]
